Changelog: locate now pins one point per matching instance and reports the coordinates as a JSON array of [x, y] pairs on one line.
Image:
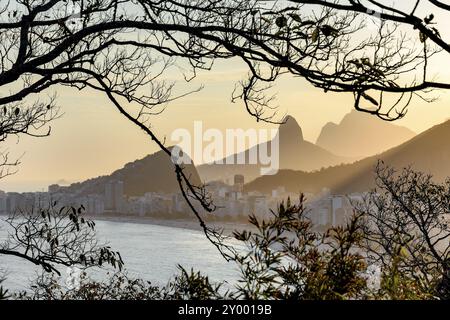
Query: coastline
[[228, 227]]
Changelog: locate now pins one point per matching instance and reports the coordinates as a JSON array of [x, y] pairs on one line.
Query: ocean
[[150, 252]]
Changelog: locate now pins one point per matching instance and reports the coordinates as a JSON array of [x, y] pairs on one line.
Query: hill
[[428, 152], [154, 173], [294, 153], [362, 135]]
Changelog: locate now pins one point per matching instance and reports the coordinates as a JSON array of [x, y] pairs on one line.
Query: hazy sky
[[93, 139]]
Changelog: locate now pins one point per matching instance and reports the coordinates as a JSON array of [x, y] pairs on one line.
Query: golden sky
[[93, 139]]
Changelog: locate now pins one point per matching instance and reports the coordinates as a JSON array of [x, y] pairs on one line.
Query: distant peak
[[290, 129]]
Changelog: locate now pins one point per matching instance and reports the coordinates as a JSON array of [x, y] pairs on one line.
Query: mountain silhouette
[[153, 173], [362, 135], [428, 152], [294, 153]]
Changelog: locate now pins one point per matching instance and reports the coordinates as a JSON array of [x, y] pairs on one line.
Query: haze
[[92, 138]]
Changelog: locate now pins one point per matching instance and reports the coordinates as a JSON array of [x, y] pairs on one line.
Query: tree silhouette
[[407, 227], [53, 236]]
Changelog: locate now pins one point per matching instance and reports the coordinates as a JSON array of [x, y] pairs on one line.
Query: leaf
[[403, 252], [295, 17], [315, 35], [329, 31], [366, 61], [356, 62], [429, 19], [423, 37], [369, 98], [281, 21], [308, 22]]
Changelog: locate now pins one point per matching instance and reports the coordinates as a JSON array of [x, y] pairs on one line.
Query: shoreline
[[228, 227]]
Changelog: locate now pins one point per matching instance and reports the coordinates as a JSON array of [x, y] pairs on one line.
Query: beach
[[227, 227]]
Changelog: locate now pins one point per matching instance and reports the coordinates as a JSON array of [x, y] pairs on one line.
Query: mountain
[[362, 135], [428, 152], [154, 173], [294, 153]]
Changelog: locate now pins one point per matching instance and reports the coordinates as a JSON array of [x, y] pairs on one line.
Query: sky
[[92, 138]]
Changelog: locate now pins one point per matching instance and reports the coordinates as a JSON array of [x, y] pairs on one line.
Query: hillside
[[428, 152], [294, 153], [154, 173], [362, 135]]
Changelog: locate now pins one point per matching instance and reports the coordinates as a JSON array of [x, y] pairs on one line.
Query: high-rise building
[[114, 196], [118, 196]]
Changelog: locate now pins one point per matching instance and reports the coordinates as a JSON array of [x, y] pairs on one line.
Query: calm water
[[151, 252]]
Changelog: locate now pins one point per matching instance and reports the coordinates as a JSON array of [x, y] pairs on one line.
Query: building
[[114, 197], [331, 210], [95, 204]]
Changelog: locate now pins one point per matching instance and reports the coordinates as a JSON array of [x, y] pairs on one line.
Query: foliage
[[121, 286], [118, 286], [192, 286], [3, 292], [407, 232], [54, 236], [287, 260]]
